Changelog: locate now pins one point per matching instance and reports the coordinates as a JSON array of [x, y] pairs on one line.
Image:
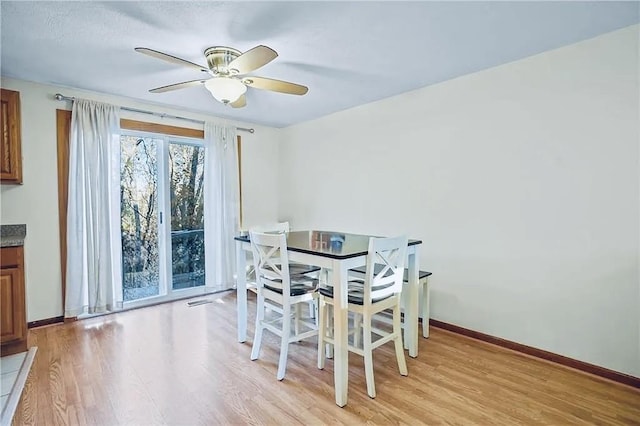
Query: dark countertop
[[12, 235]]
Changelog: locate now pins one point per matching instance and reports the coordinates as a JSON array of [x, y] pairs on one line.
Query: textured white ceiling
[[347, 53]]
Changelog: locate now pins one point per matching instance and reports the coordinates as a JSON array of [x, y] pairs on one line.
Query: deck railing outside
[[188, 269]]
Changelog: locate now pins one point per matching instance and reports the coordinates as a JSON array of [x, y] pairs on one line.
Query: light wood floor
[[180, 365]]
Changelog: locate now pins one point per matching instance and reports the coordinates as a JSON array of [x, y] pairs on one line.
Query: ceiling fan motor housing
[[219, 58]]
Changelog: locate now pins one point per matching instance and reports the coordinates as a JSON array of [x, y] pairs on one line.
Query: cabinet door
[[10, 148], [12, 310]]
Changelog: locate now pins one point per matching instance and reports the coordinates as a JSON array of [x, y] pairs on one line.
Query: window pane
[[186, 181]]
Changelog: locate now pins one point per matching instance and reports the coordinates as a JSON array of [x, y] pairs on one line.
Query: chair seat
[[355, 293], [301, 269], [298, 288], [363, 269], [296, 270]]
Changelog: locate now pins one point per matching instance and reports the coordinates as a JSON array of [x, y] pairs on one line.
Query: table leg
[[425, 308], [241, 291], [340, 327], [413, 304]]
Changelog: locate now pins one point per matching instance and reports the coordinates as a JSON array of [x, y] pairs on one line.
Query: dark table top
[[336, 245]]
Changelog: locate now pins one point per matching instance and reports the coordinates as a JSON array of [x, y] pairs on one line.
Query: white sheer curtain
[[93, 215], [221, 205]]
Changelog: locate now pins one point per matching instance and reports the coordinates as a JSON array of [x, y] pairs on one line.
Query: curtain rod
[[59, 97]]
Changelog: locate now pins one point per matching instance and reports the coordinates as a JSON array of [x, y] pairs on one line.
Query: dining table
[[337, 252]]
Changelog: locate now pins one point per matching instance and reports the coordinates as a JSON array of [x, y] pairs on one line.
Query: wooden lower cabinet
[[13, 318]]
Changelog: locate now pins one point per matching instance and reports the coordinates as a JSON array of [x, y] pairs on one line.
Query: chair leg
[[284, 342], [296, 320], [330, 330], [312, 309], [257, 338], [322, 329], [397, 331], [357, 329], [368, 355]]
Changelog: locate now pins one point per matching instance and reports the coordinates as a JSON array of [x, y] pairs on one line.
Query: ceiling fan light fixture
[[225, 90]]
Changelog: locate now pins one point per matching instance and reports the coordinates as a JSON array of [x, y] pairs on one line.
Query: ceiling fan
[[227, 68]]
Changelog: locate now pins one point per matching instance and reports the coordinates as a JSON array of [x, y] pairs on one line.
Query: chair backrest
[[271, 261], [390, 254], [274, 228]]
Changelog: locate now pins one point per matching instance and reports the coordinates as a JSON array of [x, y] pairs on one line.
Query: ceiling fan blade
[[241, 102], [177, 86], [169, 58], [275, 85], [253, 59]]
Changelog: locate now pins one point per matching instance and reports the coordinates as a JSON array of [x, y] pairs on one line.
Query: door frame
[[63, 127]]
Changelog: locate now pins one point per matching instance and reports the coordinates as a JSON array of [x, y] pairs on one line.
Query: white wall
[[36, 201], [523, 183]]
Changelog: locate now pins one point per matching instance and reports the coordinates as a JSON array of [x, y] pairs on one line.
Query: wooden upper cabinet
[[11, 153]]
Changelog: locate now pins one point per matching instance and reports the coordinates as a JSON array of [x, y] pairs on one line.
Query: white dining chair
[[296, 270], [379, 290], [275, 284]]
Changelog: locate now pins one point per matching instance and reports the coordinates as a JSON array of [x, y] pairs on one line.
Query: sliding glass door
[[162, 218], [139, 217]]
